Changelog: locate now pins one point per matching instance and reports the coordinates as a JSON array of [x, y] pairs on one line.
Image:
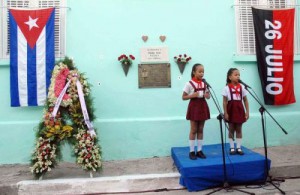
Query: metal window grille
[[244, 23], [59, 23]]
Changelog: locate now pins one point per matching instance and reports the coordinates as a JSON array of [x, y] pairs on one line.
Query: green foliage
[[66, 127]]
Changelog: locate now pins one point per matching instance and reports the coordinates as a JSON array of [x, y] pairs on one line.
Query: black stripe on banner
[[259, 17]]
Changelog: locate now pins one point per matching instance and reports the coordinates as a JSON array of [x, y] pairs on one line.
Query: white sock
[[199, 144], [231, 142], [192, 145], [238, 142]]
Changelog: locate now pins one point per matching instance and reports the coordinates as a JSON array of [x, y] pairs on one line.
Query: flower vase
[[181, 66], [125, 68]]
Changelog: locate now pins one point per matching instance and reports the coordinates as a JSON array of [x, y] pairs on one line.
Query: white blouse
[[226, 93], [188, 88]]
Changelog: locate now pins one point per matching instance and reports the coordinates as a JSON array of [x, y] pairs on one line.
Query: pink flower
[[60, 83]]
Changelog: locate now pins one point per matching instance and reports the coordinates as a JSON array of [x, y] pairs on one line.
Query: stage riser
[[206, 173]]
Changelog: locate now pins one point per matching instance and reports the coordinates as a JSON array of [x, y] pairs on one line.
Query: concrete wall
[[141, 123]]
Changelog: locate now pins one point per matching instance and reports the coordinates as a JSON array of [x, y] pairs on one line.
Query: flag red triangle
[[31, 32]]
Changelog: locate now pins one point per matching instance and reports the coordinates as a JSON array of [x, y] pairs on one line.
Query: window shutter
[[59, 22], [5, 23], [244, 23], [244, 27]]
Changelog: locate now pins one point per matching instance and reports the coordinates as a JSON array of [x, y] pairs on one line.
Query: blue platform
[[206, 173]]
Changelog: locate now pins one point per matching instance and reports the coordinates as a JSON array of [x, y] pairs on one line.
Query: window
[[59, 23], [244, 23]]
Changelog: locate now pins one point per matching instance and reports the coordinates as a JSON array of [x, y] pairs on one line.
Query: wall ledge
[[252, 58], [4, 62]]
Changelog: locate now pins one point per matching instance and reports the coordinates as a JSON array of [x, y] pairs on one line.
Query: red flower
[[182, 58], [132, 57], [124, 59]]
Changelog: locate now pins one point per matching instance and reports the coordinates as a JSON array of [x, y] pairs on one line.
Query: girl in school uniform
[[198, 111], [234, 102]]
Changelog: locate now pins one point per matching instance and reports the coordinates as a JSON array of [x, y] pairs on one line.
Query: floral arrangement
[[126, 60], [182, 58], [45, 155], [89, 157], [68, 125]]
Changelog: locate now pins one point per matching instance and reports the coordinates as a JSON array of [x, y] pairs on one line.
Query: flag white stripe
[[41, 68], [22, 68]]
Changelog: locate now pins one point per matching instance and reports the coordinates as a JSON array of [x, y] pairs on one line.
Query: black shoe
[[232, 151], [200, 154], [192, 156], [239, 151]]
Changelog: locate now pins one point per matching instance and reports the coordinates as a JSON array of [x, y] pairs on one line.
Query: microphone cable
[[214, 97]]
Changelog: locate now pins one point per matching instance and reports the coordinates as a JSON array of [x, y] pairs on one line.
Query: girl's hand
[[226, 116], [207, 95], [195, 95], [247, 116]]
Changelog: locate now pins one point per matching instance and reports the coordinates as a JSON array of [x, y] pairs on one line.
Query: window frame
[[241, 6], [60, 23]]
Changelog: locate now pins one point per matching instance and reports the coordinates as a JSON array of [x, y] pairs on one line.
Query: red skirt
[[236, 112], [198, 110]]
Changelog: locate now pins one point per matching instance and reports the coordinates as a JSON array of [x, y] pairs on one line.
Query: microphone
[[206, 83], [247, 86]]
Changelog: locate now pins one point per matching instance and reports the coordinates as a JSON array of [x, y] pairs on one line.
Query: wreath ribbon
[[82, 104]]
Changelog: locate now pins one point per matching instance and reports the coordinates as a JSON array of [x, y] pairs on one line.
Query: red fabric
[[274, 34], [198, 110], [286, 44], [22, 16], [199, 82], [236, 112], [236, 89]]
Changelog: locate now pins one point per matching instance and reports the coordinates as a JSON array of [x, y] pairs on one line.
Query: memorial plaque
[[154, 55], [154, 75]]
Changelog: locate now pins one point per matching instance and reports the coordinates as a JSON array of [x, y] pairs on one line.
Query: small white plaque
[[154, 54]]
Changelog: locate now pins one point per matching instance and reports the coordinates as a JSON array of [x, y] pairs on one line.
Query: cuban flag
[[32, 55]]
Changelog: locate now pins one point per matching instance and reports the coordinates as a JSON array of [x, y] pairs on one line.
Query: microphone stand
[[262, 109], [226, 185]]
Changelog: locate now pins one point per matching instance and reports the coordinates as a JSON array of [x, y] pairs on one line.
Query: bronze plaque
[[154, 75]]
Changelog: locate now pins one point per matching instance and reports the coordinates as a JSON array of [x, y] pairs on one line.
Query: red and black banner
[[274, 38]]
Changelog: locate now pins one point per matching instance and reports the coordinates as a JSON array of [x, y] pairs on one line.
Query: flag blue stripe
[[50, 49], [32, 79], [31, 76], [14, 88]]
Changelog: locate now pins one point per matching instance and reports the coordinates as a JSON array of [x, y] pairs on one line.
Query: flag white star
[[32, 23]]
